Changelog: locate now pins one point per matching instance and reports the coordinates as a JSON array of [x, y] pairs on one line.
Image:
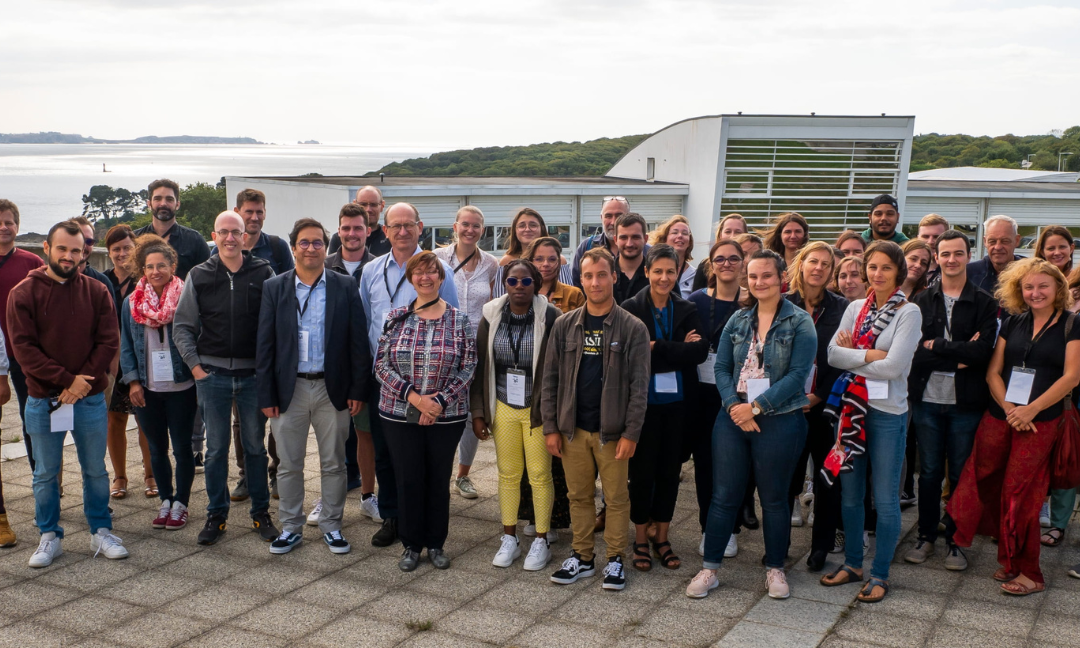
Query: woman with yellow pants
[[511, 345]]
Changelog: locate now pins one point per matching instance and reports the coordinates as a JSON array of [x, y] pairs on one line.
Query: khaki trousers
[[583, 458]]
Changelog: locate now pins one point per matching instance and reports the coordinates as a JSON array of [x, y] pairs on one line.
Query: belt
[[312, 376]]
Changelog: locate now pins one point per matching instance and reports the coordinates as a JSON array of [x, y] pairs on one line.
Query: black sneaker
[[214, 529], [262, 523], [199, 466], [572, 569], [285, 542], [614, 574], [386, 535], [337, 543]]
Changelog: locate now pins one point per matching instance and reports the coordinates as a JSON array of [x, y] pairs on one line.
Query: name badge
[[161, 366], [944, 374], [62, 419], [305, 337], [515, 387], [1020, 383], [877, 389], [667, 383], [808, 388], [755, 387], [706, 371]]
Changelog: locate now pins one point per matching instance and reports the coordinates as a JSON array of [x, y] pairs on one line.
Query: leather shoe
[[750, 519], [386, 535], [601, 521], [815, 562]]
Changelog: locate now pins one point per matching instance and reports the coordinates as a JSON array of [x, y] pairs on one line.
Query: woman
[[505, 404], [162, 388], [120, 242], [765, 355], [1056, 245], [1008, 474], [527, 226], [808, 275], [425, 363], [715, 305], [677, 349], [788, 236], [676, 233], [546, 254], [851, 243], [873, 346], [474, 275], [918, 254], [730, 226], [848, 278]]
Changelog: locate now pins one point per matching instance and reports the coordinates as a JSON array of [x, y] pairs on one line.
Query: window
[[650, 169]]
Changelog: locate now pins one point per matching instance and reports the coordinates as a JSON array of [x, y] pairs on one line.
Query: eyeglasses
[[731, 260], [160, 267], [367, 205], [227, 233], [513, 281], [90, 241], [316, 245], [401, 227]]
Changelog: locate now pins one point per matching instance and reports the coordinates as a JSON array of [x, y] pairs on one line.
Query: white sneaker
[[796, 514], [539, 555], [316, 511], [810, 519], [47, 550], [776, 581], [838, 543], [104, 542], [370, 508], [702, 584], [529, 530], [508, 551], [808, 497], [732, 548], [865, 541], [1044, 515], [701, 547]]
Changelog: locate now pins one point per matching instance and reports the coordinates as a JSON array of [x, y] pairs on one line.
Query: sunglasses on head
[[513, 281]]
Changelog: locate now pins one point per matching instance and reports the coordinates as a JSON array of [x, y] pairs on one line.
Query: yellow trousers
[[518, 445]]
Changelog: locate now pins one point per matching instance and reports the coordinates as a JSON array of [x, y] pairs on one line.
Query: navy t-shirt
[[590, 380]]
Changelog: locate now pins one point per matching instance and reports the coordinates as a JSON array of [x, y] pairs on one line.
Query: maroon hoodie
[[60, 330]]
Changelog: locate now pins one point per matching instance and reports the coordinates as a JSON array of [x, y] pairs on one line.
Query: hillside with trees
[[200, 203], [934, 151]]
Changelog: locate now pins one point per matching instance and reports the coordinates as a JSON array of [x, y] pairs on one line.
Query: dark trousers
[[352, 468], [238, 445], [654, 468], [170, 415], [697, 443], [384, 466], [820, 438], [18, 383], [946, 434], [423, 457]]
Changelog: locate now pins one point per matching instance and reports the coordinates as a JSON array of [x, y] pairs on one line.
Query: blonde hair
[[720, 225], [933, 219], [794, 272], [1010, 292], [839, 267], [1054, 230], [660, 234]]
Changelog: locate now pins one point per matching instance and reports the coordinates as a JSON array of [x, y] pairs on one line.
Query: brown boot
[[601, 521], [7, 536]]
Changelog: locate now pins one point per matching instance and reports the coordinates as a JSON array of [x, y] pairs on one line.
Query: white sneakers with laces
[[539, 555], [313, 517], [48, 549], [702, 584], [370, 508], [509, 551], [732, 548], [104, 542]]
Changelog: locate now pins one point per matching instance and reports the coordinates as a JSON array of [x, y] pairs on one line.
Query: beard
[[59, 271], [164, 214]]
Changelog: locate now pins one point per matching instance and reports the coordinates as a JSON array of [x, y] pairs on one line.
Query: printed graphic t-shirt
[[591, 374]]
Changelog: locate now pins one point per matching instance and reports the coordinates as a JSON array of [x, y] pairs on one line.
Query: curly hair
[[660, 234], [1010, 290], [146, 245], [533, 271]]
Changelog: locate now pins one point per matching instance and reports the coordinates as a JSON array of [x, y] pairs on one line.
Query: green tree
[[200, 203], [110, 206]]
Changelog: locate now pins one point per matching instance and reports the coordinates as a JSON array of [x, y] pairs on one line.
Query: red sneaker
[[177, 517], [163, 515]]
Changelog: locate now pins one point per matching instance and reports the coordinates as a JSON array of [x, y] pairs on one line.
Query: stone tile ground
[[171, 592]]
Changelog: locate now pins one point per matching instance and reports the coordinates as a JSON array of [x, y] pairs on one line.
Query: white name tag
[[808, 388], [515, 387], [756, 387], [62, 419], [161, 366], [706, 371], [1020, 383], [305, 338], [877, 389], [667, 383]]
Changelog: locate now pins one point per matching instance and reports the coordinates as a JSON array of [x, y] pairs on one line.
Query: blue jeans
[[945, 433], [89, 434], [886, 436], [773, 453], [216, 395]]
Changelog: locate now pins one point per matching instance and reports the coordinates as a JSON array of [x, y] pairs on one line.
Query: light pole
[[1061, 153]]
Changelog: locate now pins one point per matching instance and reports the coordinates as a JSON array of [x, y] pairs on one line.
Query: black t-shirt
[[1047, 357], [591, 374], [713, 315]]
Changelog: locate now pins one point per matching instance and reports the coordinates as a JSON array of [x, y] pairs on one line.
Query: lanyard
[[1038, 337], [515, 343], [386, 280], [307, 301], [665, 332], [466, 261]]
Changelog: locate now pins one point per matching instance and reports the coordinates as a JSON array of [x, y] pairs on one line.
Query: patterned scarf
[[150, 310], [849, 398]]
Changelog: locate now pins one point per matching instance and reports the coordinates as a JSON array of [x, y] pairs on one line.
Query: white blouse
[[473, 287]]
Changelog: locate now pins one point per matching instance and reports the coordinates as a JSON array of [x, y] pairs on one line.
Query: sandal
[[1003, 576], [119, 492], [667, 558], [642, 559], [849, 574], [1016, 588], [151, 489], [1052, 537], [866, 593]]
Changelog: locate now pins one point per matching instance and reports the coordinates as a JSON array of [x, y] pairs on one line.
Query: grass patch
[[419, 626]]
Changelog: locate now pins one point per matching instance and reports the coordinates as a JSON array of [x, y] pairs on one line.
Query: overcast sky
[[490, 72]]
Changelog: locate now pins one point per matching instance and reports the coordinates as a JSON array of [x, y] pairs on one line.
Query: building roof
[[981, 174], [1010, 189]]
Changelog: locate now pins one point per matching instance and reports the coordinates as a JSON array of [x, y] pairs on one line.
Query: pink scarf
[[150, 310]]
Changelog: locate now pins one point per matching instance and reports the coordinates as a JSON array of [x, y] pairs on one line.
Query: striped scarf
[[849, 399]]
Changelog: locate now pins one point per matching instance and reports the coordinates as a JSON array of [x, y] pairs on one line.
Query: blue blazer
[[347, 363]]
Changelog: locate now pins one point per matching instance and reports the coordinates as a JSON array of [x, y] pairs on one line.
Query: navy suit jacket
[[347, 362]]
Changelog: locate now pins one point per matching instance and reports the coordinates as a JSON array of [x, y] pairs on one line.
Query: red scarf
[[150, 310]]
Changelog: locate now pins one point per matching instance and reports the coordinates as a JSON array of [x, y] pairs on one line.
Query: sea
[[48, 181]]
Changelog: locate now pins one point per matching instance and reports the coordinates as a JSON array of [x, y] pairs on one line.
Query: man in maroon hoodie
[[65, 334]]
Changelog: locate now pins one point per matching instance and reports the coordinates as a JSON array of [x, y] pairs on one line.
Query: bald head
[[371, 200], [228, 235]]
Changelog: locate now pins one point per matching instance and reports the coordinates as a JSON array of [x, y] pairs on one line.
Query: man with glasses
[[164, 201], [214, 330], [383, 287], [369, 199], [611, 210], [1000, 238]]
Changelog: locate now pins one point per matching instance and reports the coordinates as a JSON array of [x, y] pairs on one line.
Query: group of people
[[860, 358]]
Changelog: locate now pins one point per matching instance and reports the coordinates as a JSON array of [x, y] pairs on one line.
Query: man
[[87, 229], [931, 227], [611, 210], [191, 248], [383, 287], [371, 201], [1000, 238], [630, 233], [595, 388], [313, 366], [65, 335], [214, 330], [884, 218], [353, 254], [947, 385]]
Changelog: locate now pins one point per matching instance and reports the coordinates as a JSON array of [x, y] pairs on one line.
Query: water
[[47, 181]]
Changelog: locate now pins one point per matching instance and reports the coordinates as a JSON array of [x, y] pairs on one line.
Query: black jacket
[[981, 273], [334, 262], [832, 309], [627, 287], [674, 354], [191, 248], [974, 312], [347, 361], [377, 243]]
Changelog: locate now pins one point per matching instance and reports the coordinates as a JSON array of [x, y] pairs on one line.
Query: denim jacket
[[133, 350], [790, 346]]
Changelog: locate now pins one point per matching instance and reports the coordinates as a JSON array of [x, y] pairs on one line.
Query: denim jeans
[[886, 435], [773, 453], [169, 415], [89, 433], [216, 395], [945, 433]]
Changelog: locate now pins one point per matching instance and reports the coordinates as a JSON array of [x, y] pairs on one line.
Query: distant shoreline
[[66, 138]]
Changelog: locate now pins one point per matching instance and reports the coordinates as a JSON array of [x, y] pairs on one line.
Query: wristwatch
[[755, 409]]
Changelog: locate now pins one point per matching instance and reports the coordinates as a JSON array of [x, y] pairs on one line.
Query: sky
[[490, 72]]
